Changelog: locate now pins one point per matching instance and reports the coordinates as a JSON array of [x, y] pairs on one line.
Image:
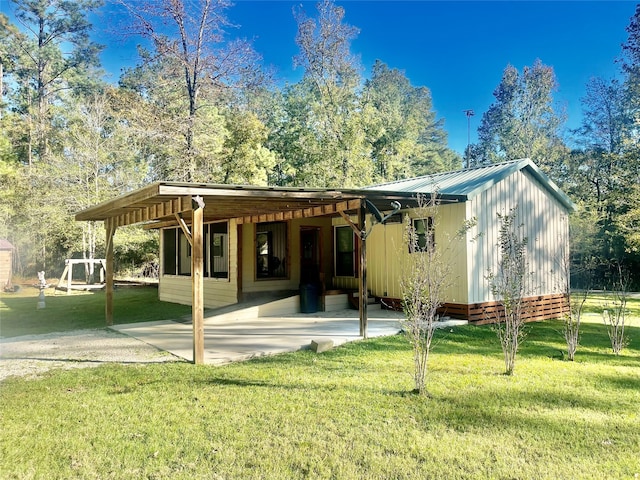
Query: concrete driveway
[[228, 339]]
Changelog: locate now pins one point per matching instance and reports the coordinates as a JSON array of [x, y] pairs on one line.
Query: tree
[[245, 159], [509, 286], [55, 54], [189, 39], [406, 138], [426, 277], [97, 163], [333, 143], [600, 174], [631, 64], [522, 122], [615, 311], [575, 301]]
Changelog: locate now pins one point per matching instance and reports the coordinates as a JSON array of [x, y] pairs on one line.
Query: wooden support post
[[110, 227], [63, 276], [197, 284], [362, 284], [69, 278]]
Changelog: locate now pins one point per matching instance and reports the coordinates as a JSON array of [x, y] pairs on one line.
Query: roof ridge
[[450, 172]]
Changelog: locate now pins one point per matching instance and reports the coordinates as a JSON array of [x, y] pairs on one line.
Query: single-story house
[[6, 263], [220, 244]]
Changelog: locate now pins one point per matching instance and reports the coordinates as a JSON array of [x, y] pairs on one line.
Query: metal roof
[[159, 202], [5, 244], [469, 183]]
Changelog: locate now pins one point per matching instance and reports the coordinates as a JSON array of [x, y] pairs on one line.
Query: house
[[485, 192], [220, 244], [6, 263]]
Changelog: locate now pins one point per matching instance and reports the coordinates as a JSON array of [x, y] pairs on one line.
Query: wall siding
[[545, 224], [388, 255]]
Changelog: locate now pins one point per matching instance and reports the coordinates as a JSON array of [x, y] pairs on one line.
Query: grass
[[19, 314], [347, 413]]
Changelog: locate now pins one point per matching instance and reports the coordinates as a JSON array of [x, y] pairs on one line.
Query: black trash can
[[308, 298]]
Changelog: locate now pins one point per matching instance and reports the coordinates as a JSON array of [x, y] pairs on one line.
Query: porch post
[[197, 284], [110, 228], [362, 285]]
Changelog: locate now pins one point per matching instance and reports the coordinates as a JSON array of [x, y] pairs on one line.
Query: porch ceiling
[[157, 204]]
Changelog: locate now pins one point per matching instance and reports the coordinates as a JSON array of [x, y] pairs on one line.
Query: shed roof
[[5, 244], [470, 182]]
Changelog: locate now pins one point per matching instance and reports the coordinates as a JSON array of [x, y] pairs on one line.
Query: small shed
[[6, 263]]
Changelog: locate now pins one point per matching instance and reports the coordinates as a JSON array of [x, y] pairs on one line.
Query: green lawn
[[347, 413], [19, 314]]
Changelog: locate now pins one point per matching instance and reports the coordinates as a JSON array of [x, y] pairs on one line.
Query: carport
[[189, 206]]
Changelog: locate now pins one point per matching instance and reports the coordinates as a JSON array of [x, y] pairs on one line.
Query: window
[[177, 252], [176, 256], [184, 254], [216, 252], [345, 256], [169, 249], [425, 237], [271, 250]]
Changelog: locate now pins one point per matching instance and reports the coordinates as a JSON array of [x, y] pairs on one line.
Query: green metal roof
[[470, 182]]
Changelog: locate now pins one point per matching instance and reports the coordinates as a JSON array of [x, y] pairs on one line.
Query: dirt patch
[[32, 355]]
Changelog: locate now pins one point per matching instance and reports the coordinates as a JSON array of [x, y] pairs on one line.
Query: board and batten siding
[[218, 292], [388, 255], [545, 224]]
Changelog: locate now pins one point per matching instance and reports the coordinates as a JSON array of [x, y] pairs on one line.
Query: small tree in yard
[[424, 281], [509, 285], [572, 317], [614, 313]]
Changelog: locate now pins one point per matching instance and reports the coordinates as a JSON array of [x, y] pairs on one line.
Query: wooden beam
[[185, 228], [353, 226], [105, 210], [197, 284], [64, 273], [110, 228], [288, 213], [362, 284]]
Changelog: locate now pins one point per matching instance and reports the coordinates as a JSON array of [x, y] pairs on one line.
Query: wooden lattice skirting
[[540, 307]]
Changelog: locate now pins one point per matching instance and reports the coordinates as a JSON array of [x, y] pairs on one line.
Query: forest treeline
[[200, 107]]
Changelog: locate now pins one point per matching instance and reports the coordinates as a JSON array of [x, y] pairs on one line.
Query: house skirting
[[541, 307]]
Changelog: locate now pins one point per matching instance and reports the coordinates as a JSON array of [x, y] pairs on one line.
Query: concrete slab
[[228, 340]]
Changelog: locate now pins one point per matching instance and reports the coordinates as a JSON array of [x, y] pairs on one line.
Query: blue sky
[[457, 49]]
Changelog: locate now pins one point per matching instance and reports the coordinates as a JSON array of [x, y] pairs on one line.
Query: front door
[[310, 269]]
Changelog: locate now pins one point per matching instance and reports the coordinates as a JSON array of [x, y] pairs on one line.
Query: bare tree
[[575, 300], [191, 36], [425, 280], [509, 286], [614, 313]]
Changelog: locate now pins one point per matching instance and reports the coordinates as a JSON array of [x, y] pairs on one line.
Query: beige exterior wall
[[545, 225], [388, 254], [217, 292]]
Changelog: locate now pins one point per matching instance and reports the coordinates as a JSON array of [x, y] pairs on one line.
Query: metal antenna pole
[[469, 113]]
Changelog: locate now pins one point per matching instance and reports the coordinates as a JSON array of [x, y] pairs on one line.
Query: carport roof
[[159, 202]]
